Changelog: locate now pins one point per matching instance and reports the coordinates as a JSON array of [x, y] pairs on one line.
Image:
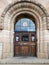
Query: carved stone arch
[[33, 2], [21, 7], [34, 5]]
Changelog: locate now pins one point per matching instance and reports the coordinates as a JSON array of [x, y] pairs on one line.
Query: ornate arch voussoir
[[15, 3], [37, 6]]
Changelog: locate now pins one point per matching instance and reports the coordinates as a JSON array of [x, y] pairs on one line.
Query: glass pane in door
[[25, 38]]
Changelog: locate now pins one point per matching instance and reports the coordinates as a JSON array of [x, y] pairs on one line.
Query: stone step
[[24, 61], [25, 64]]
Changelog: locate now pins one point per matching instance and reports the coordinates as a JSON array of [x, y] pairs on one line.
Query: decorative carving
[[48, 22], [1, 24], [24, 1], [24, 4]]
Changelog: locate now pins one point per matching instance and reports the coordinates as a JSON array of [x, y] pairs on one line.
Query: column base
[[42, 55]]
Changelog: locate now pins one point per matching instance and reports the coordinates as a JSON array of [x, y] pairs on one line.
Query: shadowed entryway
[[25, 37]]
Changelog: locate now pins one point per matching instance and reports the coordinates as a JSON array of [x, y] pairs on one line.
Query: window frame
[[19, 37], [33, 34], [24, 35], [26, 28]]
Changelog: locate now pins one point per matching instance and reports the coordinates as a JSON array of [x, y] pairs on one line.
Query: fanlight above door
[[25, 24]]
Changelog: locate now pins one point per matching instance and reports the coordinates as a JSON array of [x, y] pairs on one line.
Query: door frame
[[28, 42]]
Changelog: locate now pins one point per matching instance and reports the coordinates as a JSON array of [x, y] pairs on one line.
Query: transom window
[[25, 38], [25, 24]]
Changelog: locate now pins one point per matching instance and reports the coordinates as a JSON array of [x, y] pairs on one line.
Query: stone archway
[[25, 31], [8, 18]]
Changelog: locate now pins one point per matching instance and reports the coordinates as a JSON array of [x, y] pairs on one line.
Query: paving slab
[[24, 60]]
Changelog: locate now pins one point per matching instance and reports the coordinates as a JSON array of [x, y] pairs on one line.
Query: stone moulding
[[15, 3], [36, 6], [32, 8]]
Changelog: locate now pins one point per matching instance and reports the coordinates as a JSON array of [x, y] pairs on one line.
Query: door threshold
[[22, 60]]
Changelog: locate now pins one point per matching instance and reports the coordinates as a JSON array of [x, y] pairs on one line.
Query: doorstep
[[24, 60]]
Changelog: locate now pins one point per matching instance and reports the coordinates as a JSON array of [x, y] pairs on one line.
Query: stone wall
[[7, 18], [4, 4]]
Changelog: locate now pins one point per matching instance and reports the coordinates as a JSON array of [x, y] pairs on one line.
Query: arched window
[[25, 25]]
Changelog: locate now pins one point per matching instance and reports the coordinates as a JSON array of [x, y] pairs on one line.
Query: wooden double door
[[25, 44]]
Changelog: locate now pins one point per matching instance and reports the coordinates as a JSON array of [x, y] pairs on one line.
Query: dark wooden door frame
[[28, 46]]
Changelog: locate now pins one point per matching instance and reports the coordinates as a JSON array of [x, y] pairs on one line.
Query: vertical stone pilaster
[[48, 22]]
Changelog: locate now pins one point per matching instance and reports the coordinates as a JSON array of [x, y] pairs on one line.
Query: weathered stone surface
[[7, 19]]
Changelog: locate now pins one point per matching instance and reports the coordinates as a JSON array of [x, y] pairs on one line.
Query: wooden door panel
[[29, 51], [17, 50], [27, 48], [33, 50], [24, 50]]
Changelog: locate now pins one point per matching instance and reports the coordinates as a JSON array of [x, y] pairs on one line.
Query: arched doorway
[[10, 17], [25, 36]]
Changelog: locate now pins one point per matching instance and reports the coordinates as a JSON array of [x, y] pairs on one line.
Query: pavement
[[24, 60]]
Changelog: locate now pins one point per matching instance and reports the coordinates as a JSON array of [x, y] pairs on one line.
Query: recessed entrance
[[25, 37]]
